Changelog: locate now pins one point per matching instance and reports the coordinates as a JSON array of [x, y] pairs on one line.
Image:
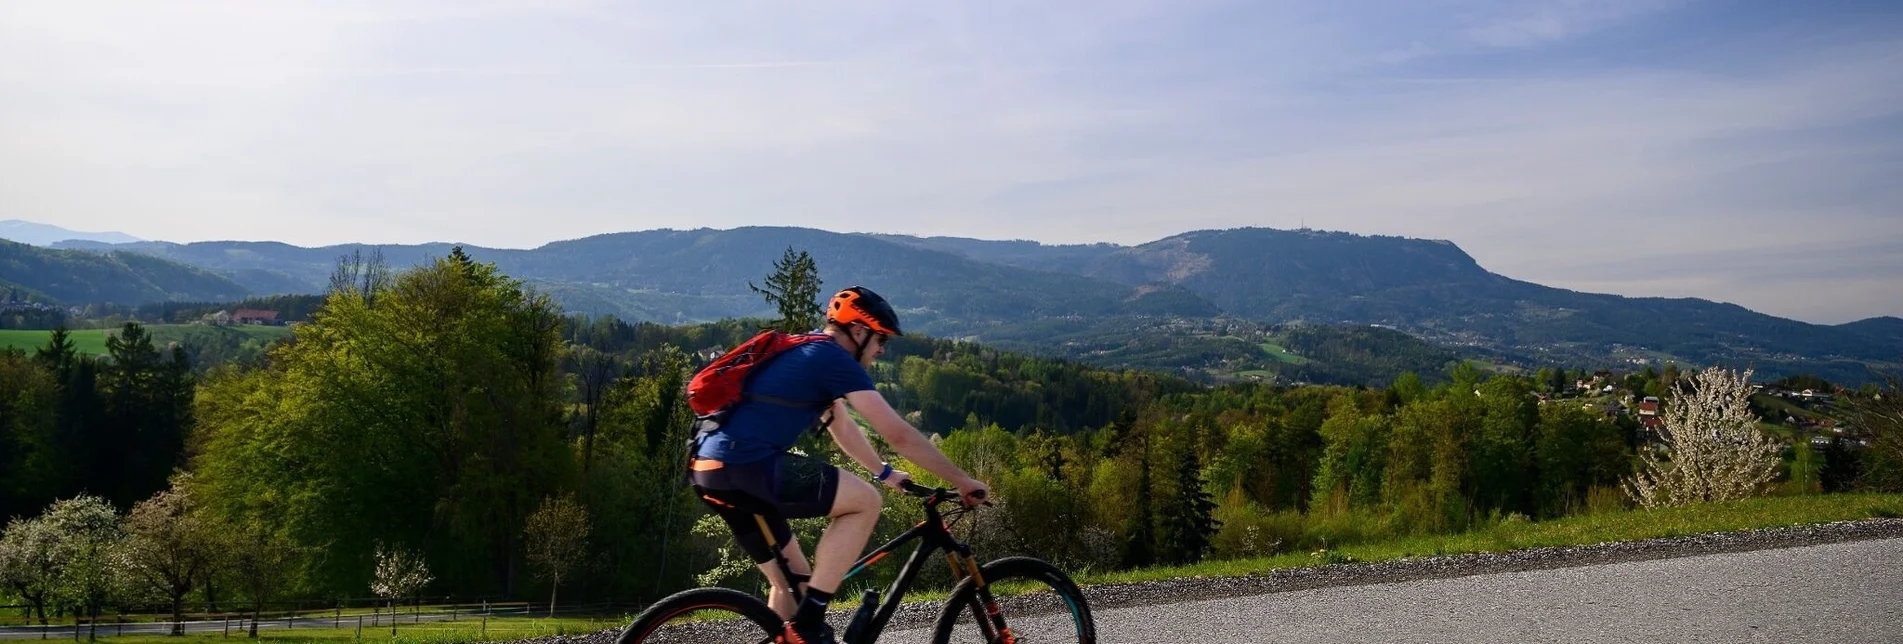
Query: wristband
[[886, 473]]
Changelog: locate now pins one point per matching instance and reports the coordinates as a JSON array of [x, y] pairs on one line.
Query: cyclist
[[743, 472]]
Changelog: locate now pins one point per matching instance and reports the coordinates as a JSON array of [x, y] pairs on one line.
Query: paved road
[[1845, 592]]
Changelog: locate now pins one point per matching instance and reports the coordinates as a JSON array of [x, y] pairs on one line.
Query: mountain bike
[[971, 614]]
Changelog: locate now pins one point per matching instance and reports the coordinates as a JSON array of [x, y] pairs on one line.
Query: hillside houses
[[255, 316], [31, 306], [16, 304], [242, 316], [1649, 413]]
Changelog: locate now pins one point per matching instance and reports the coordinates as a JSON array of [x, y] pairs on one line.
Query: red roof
[[255, 314]]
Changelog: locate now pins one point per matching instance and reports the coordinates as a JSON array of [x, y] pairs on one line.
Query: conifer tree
[[793, 289]]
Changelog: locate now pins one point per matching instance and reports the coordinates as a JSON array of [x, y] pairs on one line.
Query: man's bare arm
[[906, 439], [852, 440]]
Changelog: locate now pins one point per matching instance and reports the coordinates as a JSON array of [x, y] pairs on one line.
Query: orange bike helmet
[[862, 306]]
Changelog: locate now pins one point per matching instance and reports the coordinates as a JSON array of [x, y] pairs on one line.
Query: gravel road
[[1844, 592], [1838, 582]]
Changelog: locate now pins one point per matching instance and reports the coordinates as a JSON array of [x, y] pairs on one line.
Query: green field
[[87, 340], [1780, 407], [93, 341], [1282, 354]]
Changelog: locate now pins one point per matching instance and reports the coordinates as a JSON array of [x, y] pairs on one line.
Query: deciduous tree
[[1710, 446], [169, 546], [557, 540]]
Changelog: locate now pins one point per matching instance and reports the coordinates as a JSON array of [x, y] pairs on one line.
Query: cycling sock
[[812, 612]]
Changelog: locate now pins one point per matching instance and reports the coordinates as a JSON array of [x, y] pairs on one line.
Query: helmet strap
[[859, 352]]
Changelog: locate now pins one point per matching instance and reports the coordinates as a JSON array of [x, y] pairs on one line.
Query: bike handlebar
[[937, 495]]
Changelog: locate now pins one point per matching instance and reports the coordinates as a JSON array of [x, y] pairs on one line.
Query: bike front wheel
[[704, 615], [1033, 600]]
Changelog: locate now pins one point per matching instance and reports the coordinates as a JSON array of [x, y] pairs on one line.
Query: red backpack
[[717, 388]]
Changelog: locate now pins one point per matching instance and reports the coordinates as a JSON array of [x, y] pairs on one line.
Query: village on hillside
[[241, 316], [1810, 414]]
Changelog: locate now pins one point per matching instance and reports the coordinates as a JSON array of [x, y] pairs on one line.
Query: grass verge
[[466, 630], [1628, 525]]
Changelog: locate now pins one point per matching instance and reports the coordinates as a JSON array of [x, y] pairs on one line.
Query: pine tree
[[77, 441], [59, 353], [173, 390], [121, 459], [147, 396], [793, 289], [1189, 524], [1140, 534]]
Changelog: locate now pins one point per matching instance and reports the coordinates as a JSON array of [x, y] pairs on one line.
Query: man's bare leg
[[855, 514], [781, 601]]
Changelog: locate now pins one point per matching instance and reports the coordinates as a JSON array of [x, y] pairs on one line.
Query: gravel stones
[[1171, 591]]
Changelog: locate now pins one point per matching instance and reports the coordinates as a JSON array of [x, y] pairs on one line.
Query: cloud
[[1536, 22], [1545, 138]]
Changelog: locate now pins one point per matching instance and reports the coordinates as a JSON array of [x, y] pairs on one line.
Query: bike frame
[[934, 536]]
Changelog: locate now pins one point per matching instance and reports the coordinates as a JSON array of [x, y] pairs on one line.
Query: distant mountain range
[[27, 232], [1202, 284], [31, 273]]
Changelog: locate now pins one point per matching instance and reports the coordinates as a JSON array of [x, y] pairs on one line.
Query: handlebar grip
[[915, 489], [923, 492]]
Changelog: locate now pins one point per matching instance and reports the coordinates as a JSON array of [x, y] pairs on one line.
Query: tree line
[[450, 424], [113, 425]]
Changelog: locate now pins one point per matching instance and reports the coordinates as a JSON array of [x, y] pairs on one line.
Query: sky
[[1744, 151]]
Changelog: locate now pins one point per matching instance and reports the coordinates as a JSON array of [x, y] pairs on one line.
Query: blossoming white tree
[[400, 573], [30, 566], [89, 545], [1712, 447], [170, 547]]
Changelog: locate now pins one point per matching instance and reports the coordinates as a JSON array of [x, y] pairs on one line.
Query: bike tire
[[647, 625], [957, 620]]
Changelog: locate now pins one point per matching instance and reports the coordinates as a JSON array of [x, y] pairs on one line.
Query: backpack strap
[[705, 426], [784, 402]]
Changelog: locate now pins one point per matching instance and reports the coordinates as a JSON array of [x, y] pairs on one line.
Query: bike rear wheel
[[704, 615], [1037, 603]]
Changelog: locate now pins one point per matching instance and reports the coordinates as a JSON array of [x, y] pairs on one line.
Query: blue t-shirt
[[816, 372]]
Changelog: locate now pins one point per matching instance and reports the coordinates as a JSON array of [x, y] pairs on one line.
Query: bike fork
[[984, 607]]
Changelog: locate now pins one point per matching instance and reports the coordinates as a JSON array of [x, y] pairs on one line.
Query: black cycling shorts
[[787, 486]]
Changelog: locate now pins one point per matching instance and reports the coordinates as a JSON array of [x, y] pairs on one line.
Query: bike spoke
[[1023, 600], [1035, 618], [704, 615]]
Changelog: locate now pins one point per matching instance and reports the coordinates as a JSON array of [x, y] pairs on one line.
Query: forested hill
[[996, 290], [71, 277], [1433, 289], [442, 411]]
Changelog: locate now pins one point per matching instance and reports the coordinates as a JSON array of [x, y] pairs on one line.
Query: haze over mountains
[[31, 273], [38, 234], [1017, 291]]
